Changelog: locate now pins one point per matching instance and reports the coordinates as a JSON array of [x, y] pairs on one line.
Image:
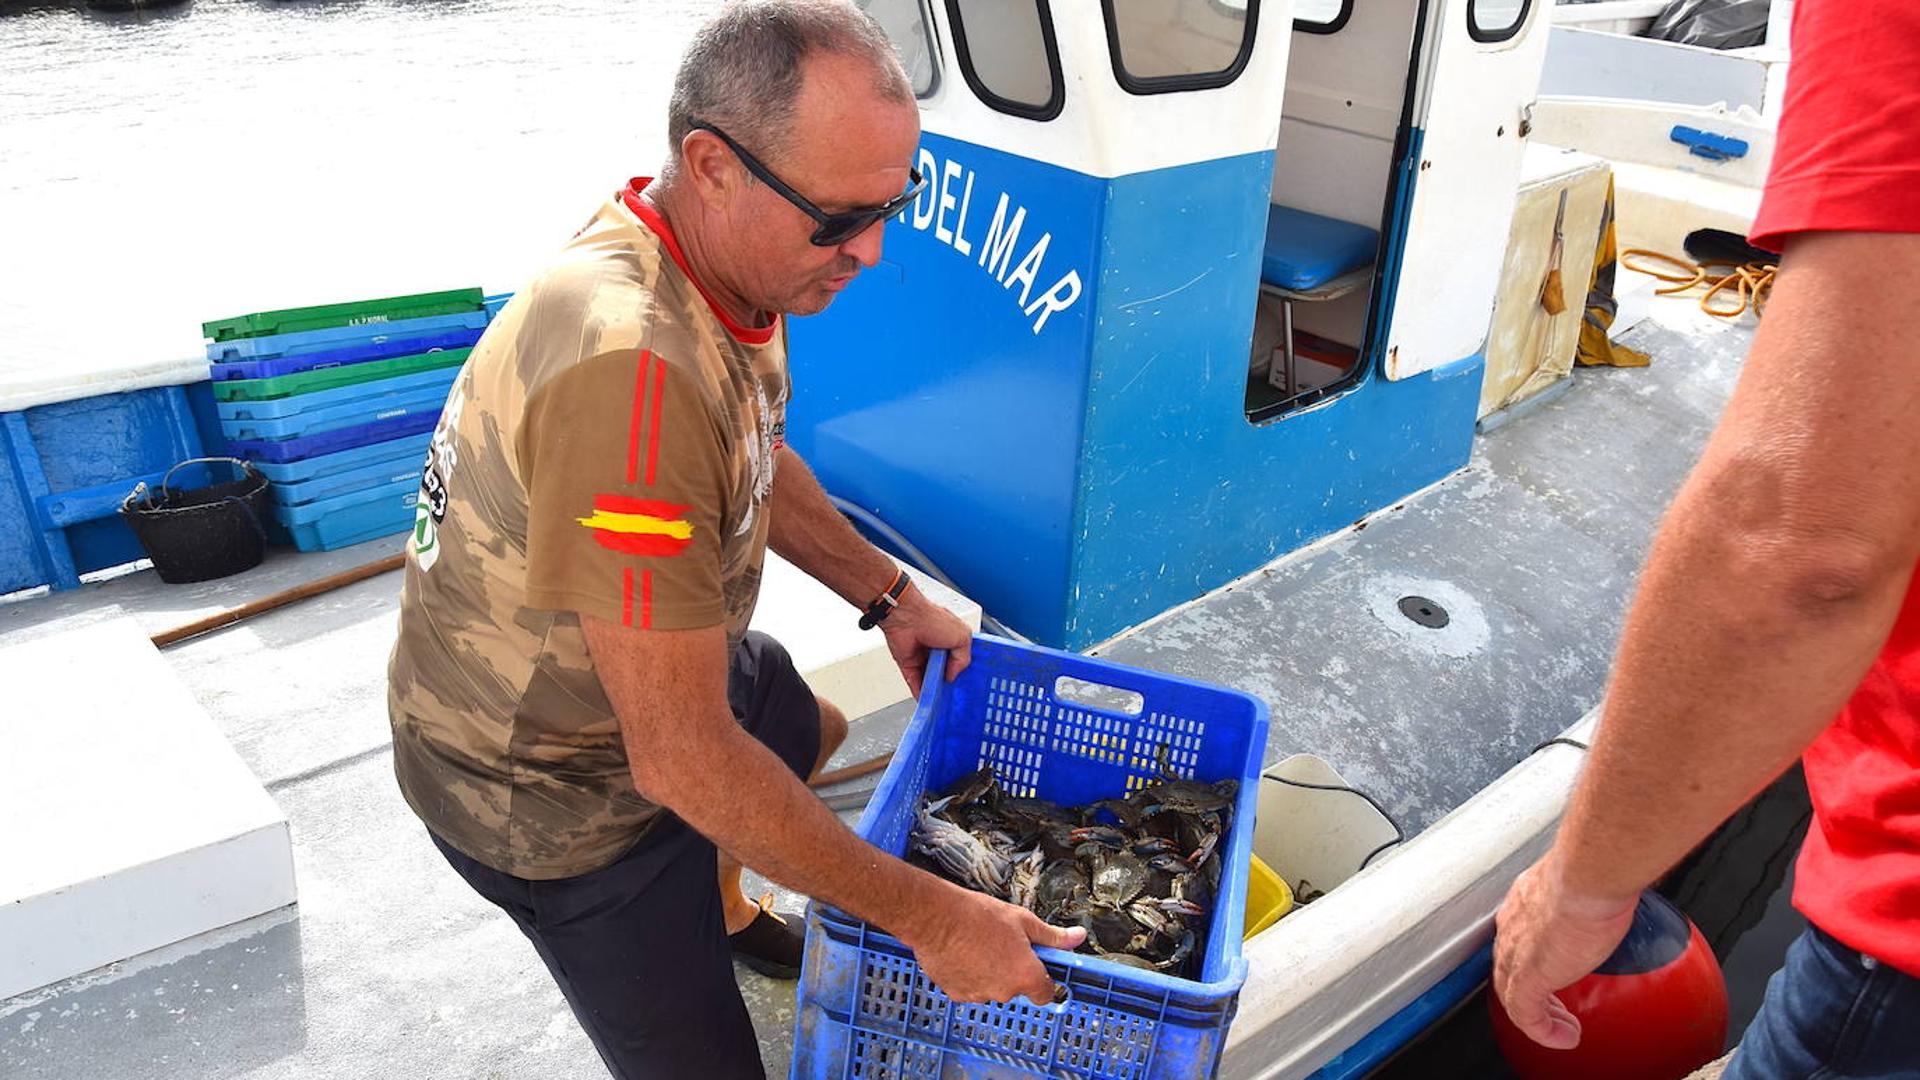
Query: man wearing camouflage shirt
[[580, 716]]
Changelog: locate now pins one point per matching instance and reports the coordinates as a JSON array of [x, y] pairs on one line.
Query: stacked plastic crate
[[336, 405]]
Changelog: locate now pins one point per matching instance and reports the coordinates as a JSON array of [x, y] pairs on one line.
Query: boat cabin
[[1193, 283]]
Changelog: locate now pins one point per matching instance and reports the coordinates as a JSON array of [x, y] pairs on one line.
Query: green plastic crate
[[307, 382], [357, 313]]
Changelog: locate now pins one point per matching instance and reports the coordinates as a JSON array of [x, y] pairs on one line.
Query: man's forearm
[[687, 753], [1722, 680], [761, 814], [808, 532], [1774, 580]]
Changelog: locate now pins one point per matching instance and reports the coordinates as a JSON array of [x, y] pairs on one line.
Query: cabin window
[[1321, 16], [907, 26], [1160, 46], [1007, 54], [1491, 21]]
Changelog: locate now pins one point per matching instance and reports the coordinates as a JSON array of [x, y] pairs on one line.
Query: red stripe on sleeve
[[653, 427], [626, 598], [639, 408], [646, 598]]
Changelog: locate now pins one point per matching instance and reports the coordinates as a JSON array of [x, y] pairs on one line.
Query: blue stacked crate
[[336, 405]]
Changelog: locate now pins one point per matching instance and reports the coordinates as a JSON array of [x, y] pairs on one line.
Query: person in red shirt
[[1779, 611]]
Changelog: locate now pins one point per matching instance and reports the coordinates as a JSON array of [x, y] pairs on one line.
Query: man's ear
[[710, 164]]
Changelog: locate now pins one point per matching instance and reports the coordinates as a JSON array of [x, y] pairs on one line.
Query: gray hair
[[742, 72]]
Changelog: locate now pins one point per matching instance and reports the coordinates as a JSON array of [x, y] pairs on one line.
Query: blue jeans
[[1832, 1012]]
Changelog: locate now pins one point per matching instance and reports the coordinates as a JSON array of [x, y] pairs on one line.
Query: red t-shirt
[[1847, 159]]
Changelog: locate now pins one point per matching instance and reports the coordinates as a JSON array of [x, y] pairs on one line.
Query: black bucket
[[202, 533]]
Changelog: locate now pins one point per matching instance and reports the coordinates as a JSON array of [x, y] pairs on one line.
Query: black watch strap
[[884, 604]]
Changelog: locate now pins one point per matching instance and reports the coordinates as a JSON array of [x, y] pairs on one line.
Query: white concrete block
[[843, 663], [127, 821]]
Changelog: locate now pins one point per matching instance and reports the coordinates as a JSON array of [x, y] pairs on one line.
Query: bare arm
[[1771, 587], [668, 688], [809, 533]]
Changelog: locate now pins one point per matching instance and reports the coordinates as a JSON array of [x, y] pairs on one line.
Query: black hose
[[1399, 834], [1559, 740]]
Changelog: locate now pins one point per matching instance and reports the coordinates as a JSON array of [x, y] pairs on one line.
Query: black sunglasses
[[835, 229]]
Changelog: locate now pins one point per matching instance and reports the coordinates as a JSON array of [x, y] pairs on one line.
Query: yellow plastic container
[[1268, 898]]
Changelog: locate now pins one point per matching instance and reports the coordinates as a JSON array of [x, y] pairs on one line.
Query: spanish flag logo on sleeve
[[639, 526]]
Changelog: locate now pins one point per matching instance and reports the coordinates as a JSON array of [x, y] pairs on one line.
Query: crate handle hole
[[1092, 695]]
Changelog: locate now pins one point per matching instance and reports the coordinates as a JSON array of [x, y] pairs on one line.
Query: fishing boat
[[1689, 129], [1178, 360]]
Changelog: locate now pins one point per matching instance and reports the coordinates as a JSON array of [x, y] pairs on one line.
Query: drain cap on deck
[[1424, 611], [1428, 616]]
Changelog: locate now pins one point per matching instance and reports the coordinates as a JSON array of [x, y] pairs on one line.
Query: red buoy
[[1656, 1010]]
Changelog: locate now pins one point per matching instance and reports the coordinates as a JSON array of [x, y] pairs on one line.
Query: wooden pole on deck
[[221, 619]]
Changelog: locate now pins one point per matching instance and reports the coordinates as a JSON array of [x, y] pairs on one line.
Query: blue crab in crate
[[1141, 783], [1138, 873]]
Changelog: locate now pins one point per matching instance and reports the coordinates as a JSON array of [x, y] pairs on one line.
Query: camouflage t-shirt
[[608, 449]]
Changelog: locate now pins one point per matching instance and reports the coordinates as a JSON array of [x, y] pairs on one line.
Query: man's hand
[[976, 948], [807, 531], [1546, 940], [919, 625]]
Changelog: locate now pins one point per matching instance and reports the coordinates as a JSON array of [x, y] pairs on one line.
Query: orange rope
[[1751, 283]]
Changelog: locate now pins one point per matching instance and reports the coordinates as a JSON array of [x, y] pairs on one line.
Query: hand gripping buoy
[[1656, 1010]]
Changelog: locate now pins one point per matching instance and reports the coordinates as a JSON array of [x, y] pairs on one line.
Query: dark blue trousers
[[639, 948]]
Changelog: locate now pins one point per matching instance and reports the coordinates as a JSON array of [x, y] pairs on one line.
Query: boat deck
[[390, 966]]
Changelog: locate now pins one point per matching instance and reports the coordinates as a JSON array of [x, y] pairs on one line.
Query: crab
[[1196, 888], [1150, 846], [1139, 872], [1062, 888], [1057, 841], [1118, 877], [962, 855], [1150, 915], [1102, 835], [1028, 818], [1197, 834], [1023, 881], [1181, 951], [1166, 876], [997, 839], [1123, 811], [1188, 797], [1112, 930], [977, 786]]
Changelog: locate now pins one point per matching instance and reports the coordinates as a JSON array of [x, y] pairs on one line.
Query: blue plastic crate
[[348, 519], [272, 408], [348, 413], [375, 474], [1070, 729], [496, 302], [266, 451], [307, 342], [412, 448], [384, 348]]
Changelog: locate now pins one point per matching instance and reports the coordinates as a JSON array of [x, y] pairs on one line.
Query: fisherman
[[1779, 613], [580, 716]]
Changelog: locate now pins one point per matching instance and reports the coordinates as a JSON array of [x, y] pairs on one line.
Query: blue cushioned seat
[[1305, 251]]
